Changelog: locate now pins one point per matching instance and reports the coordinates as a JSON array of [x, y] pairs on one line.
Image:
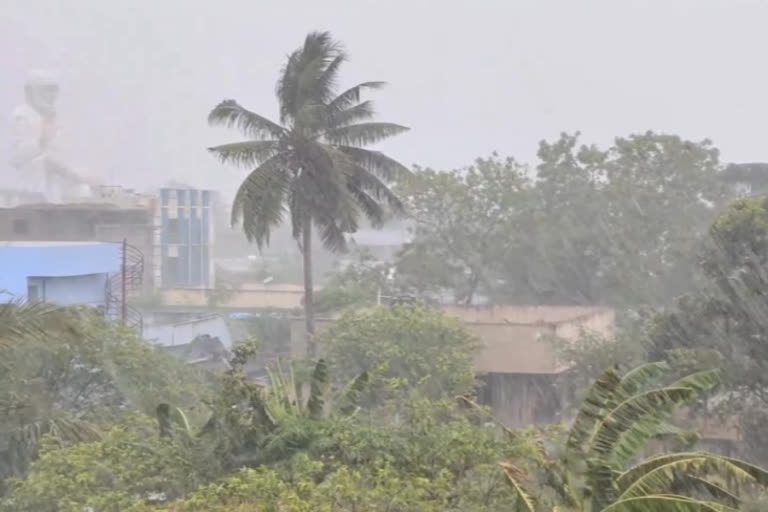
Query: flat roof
[[79, 206], [44, 243]]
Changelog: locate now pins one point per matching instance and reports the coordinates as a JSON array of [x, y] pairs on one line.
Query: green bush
[[405, 350], [128, 468]]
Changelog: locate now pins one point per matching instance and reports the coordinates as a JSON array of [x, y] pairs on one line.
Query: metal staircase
[[122, 285]]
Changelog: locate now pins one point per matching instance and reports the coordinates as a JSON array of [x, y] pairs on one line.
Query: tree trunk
[[309, 311]]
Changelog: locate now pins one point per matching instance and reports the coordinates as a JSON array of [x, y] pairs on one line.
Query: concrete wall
[[248, 297], [513, 348], [520, 400], [518, 339], [599, 322], [515, 339], [522, 314], [67, 222]]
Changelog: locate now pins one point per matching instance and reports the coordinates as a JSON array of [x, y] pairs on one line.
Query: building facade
[[85, 222], [184, 241]]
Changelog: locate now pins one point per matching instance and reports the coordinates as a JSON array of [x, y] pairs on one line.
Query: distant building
[[384, 243], [248, 297], [747, 180], [518, 364], [184, 242], [129, 220], [58, 273]]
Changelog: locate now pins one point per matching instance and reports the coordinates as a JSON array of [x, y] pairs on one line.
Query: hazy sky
[[138, 77]]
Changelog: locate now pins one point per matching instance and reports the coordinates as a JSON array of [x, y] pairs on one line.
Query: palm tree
[[311, 166], [599, 470]]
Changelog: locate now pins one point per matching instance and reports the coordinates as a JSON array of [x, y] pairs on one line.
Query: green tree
[[359, 284], [405, 350], [727, 315], [65, 372], [312, 165], [128, 467], [438, 457], [346, 489], [618, 226], [465, 222], [601, 468]]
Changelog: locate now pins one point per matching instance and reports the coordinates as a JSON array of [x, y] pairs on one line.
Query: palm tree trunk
[[309, 312]]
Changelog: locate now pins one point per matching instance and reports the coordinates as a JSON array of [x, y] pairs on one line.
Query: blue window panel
[[164, 226], [193, 197], [172, 277], [164, 196], [204, 228], [164, 277], [182, 196], [206, 197], [195, 266], [183, 228], [183, 276], [206, 281], [195, 226]]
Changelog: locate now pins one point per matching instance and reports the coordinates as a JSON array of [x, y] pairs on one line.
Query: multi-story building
[[184, 240]]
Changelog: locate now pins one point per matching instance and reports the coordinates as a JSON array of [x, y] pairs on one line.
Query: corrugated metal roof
[[18, 262], [183, 333]]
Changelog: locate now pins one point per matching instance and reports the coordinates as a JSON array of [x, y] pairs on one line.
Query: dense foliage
[[129, 466], [364, 282], [612, 226], [404, 349], [602, 468], [406, 436], [725, 320], [306, 444], [464, 221], [66, 371]]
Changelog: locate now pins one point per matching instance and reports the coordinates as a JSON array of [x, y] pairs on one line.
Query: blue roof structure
[[18, 262]]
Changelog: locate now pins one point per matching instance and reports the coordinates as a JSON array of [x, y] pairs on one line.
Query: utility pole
[[123, 268]]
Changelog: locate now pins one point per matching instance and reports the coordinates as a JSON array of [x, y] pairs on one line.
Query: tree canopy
[[615, 226]]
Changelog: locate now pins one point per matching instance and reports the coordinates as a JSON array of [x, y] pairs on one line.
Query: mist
[[138, 78]]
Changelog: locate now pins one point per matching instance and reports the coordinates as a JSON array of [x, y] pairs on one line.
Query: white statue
[[38, 174]]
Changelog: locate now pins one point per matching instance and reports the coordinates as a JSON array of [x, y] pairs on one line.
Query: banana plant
[[284, 396], [252, 424], [602, 470]]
